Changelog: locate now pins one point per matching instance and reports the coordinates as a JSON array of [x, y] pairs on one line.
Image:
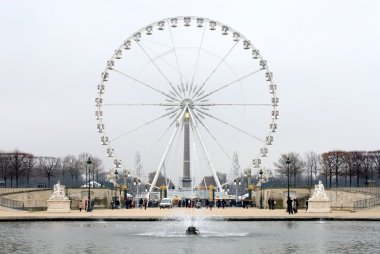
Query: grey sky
[[323, 55]]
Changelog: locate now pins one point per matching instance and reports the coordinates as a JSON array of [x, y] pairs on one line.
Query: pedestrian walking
[[85, 204], [141, 202], [80, 205]]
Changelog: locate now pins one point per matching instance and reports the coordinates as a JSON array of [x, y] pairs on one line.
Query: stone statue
[[319, 191], [59, 192]]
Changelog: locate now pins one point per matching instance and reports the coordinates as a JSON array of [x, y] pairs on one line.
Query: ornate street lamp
[[89, 162], [288, 165], [261, 189], [125, 186], [115, 183]]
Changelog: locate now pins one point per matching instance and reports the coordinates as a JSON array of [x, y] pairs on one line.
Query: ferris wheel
[[186, 92]]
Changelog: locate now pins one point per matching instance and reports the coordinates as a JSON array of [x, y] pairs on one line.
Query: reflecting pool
[[170, 237]]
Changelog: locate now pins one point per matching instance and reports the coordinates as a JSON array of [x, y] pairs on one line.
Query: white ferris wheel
[[186, 92]]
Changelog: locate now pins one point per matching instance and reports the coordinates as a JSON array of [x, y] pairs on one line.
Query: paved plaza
[[159, 214]]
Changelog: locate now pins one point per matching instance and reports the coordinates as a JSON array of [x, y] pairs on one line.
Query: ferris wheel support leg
[[205, 152], [164, 157]]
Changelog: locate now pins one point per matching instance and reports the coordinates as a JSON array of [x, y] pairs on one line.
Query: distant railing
[[368, 190], [5, 191], [10, 203], [366, 203]]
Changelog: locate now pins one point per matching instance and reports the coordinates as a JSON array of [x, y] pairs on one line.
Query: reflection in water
[[169, 237]]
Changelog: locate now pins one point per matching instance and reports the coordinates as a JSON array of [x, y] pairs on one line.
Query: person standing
[[85, 204], [141, 203], [145, 203], [289, 205], [295, 205]]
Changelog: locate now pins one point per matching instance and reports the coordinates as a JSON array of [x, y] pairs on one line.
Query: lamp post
[[247, 173], [288, 165], [89, 162], [125, 186], [115, 183], [261, 189]]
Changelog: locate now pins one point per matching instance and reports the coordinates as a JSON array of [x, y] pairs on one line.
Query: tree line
[[21, 169], [336, 168]]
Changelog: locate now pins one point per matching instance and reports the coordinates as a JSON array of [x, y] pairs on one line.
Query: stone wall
[[36, 200], [340, 199]]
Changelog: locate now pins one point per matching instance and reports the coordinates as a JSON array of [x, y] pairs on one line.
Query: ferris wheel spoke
[[160, 56], [230, 125], [175, 53], [155, 65], [227, 85], [198, 54], [164, 157], [146, 85], [143, 104], [150, 150], [145, 124], [230, 104], [216, 68], [209, 162], [212, 136]]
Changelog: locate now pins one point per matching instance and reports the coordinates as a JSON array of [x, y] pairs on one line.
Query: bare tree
[[82, 163], [18, 162], [5, 166], [367, 166], [49, 166], [296, 166], [70, 163], [376, 160], [333, 161], [357, 163], [29, 167], [312, 165], [97, 167]]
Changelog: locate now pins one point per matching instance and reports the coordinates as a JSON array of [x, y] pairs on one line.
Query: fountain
[[192, 231]]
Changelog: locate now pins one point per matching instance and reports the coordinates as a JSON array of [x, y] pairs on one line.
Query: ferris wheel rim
[[257, 161]]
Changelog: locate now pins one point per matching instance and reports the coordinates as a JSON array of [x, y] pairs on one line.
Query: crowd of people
[[292, 204], [88, 206]]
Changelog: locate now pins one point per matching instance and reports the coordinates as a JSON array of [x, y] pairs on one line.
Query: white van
[[166, 202]]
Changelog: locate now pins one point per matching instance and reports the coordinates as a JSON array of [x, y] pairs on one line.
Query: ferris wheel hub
[[187, 103]]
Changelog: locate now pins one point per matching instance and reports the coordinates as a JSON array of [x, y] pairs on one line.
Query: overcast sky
[[324, 56]]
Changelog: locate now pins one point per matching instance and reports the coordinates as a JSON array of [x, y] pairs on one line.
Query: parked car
[[166, 202]]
